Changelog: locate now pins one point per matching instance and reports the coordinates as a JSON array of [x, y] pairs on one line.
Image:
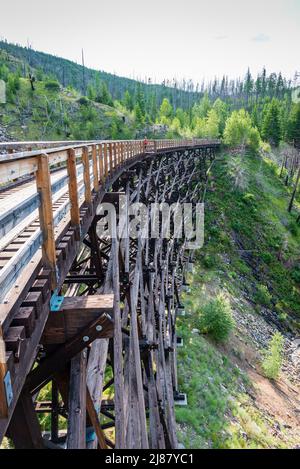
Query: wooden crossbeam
[[64, 353], [74, 315]]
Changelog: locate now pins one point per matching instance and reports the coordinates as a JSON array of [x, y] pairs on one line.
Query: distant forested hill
[[69, 73]]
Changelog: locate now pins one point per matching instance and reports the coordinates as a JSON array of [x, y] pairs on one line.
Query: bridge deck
[[48, 199]]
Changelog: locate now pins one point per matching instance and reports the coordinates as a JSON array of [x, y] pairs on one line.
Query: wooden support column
[[86, 175], [24, 428], [54, 413], [3, 370], [73, 191], [118, 355], [43, 183], [95, 168], [76, 438]]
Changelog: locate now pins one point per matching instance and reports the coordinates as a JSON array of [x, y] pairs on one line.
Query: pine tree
[[293, 127], [271, 126]]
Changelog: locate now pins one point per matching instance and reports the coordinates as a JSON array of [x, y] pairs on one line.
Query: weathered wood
[[118, 355], [3, 371], [58, 360], [73, 188], [24, 428], [86, 175], [95, 420], [76, 438], [43, 183], [74, 315], [95, 168]]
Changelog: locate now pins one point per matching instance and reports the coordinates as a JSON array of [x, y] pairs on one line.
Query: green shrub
[[296, 274], [273, 357], [209, 261], [293, 228], [262, 296], [52, 85], [216, 319], [83, 101], [266, 257], [249, 199]]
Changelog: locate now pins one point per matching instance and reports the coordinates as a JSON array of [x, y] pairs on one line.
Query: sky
[[196, 39]]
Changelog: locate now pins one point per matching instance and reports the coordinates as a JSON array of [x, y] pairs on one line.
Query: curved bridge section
[[87, 308]]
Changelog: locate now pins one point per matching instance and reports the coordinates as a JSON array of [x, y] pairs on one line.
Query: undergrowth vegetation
[[250, 257], [216, 319], [273, 357]]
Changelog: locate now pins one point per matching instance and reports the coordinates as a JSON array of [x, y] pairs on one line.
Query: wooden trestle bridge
[[93, 316]]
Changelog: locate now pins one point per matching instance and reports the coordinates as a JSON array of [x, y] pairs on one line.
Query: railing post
[[101, 166], [110, 158], [3, 371], [105, 160], [43, 182], [86, 175], [114, 158], [95, 168], [73, 191]]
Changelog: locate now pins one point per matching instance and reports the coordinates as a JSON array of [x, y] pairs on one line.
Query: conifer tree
[[271, 126]]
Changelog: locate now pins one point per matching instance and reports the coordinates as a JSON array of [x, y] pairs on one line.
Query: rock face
[[4, 137]]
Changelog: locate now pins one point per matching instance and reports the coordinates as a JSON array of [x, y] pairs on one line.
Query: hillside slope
[[251, 256], [72, 74], [53, 112]]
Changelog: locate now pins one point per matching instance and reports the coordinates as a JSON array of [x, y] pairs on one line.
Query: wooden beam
[[3, 371], [24, 428], [56, 362], [86, 175], [95, 420], [73, 188], [76, 438], [105, 160], [101, 165], [75, 314], [43, 183], [95, 168]]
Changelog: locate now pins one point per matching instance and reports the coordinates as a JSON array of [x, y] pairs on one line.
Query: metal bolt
[[99, 328], [85, 338]]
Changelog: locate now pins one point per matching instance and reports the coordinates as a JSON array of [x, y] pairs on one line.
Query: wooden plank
[[118, 351], [16, 169], [105, 160], [56, 362], [95, 420], [24, 428], [95, 168], [73, 189], [74, 315], [110, 156], [43, 182], [3, 370], [76, 438], [101, 164], [86, 175]]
